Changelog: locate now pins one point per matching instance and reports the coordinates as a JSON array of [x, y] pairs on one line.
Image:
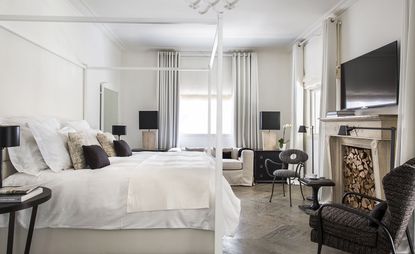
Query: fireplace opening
[[358, 176]]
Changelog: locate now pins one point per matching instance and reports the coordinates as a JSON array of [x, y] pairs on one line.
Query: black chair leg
[[283, 189], [301, 189], [408, 236], [289, 190], [272, 192], [319, 248]]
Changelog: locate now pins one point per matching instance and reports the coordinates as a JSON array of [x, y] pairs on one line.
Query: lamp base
[[269, 140], [149, 140]]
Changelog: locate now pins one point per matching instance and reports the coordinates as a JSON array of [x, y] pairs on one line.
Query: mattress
[[97, 199]]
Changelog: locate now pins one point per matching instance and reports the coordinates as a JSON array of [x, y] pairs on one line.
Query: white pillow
[[83, 127], [80, 125], [27, 158], [51, 143]]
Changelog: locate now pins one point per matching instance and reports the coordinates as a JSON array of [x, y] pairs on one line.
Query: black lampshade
[[270, 120], [302, 129], [9, 136], [119, 130], [148, 120], [344, 130]]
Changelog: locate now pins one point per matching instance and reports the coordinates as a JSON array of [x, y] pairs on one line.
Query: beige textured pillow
[[107, 142], [75, 142]]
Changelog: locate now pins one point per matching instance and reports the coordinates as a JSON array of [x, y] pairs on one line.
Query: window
[[193, 105], [193, 118]]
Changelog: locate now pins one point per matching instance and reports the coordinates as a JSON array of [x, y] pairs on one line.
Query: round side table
[[12, 208]]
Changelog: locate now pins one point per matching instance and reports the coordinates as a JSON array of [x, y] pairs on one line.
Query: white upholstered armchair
[[239, 170]]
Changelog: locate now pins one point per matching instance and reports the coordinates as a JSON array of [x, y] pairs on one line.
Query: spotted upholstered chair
[[276, 170], [355, 231]]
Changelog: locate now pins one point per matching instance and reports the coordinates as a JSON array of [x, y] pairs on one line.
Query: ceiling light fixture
[[203, 6]]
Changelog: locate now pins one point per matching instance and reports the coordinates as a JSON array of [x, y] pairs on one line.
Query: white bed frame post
[[219, 221]]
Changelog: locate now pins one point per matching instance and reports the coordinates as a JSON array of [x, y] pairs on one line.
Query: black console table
[[12, 208], [260, 173]]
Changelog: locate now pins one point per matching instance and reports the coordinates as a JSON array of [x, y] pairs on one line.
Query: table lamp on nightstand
[[119, 130], [9, 137]]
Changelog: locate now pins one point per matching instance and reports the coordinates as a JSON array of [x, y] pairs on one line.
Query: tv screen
[[371, 80], [148, 120]]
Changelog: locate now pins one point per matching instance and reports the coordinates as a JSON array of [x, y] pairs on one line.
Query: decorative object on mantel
[[148, 120], [9, 137], [341, 113], [345, 130], [303, 129], [269, 120], [119, 130], [282, 142]]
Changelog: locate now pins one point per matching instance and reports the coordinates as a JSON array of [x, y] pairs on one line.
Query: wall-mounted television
[[371, 80]]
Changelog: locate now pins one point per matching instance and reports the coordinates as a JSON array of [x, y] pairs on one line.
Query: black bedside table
[[12, 208], [260, 173]]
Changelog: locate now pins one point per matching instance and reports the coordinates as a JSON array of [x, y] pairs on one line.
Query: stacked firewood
[[358, 176]]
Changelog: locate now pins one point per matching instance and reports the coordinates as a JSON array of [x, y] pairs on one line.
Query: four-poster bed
[[132, 241]]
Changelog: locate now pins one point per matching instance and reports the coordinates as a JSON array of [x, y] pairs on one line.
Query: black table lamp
[[9, 137], [119, 130], [270, 120], [303, 129]]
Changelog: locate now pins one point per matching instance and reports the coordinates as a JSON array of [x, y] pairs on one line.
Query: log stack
[[358, 176]]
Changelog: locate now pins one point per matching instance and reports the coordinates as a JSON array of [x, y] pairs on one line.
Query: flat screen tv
[[371, 80]]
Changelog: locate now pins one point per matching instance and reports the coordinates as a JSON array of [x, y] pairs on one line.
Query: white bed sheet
[[97, 199]]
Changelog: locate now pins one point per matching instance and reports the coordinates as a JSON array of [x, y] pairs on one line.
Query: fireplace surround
[[375, 144]]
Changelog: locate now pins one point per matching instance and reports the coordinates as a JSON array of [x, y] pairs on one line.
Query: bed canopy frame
[[216, 51]]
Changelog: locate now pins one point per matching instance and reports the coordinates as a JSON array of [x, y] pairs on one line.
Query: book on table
[[18, 194]]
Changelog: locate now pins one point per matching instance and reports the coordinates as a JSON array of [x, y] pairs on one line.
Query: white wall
[[55, 83], [138, 92], [274, 73], [368, 25]]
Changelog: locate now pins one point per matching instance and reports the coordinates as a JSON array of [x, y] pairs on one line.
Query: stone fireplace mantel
[[378, 142]]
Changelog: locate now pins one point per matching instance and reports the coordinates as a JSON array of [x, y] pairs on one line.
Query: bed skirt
[[133, 241]]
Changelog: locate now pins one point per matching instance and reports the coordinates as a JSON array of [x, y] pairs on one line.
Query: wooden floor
[[271, 227]]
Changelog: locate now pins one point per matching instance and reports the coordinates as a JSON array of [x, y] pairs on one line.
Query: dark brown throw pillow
[[227, 155], [378, 212], [122, 149], [95, 156]]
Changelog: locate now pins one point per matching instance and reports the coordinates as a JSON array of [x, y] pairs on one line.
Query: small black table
[[12, 208], [315, 184]]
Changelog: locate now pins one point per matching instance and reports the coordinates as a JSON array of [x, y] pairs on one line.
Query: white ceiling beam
[[136, 68], [106, 20]]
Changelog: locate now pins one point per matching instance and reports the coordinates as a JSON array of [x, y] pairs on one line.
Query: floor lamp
[[9, 137], [303, 129], [345, 131]]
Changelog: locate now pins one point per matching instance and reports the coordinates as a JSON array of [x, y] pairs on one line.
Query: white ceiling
[[252, 24]]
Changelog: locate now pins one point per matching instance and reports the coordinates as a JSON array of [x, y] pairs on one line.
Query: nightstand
[[12, 208], [260, 173]]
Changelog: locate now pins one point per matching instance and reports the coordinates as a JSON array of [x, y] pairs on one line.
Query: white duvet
[[109, 198]]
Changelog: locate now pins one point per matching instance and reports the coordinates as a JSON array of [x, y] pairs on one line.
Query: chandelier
[[203, 6]]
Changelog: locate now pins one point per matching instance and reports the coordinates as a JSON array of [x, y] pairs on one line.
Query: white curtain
[[168, 99], [406, 118], [245, 80], [328, 95], [297, 104]]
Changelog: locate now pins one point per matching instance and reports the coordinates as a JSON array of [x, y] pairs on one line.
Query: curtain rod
[[138, 68]]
